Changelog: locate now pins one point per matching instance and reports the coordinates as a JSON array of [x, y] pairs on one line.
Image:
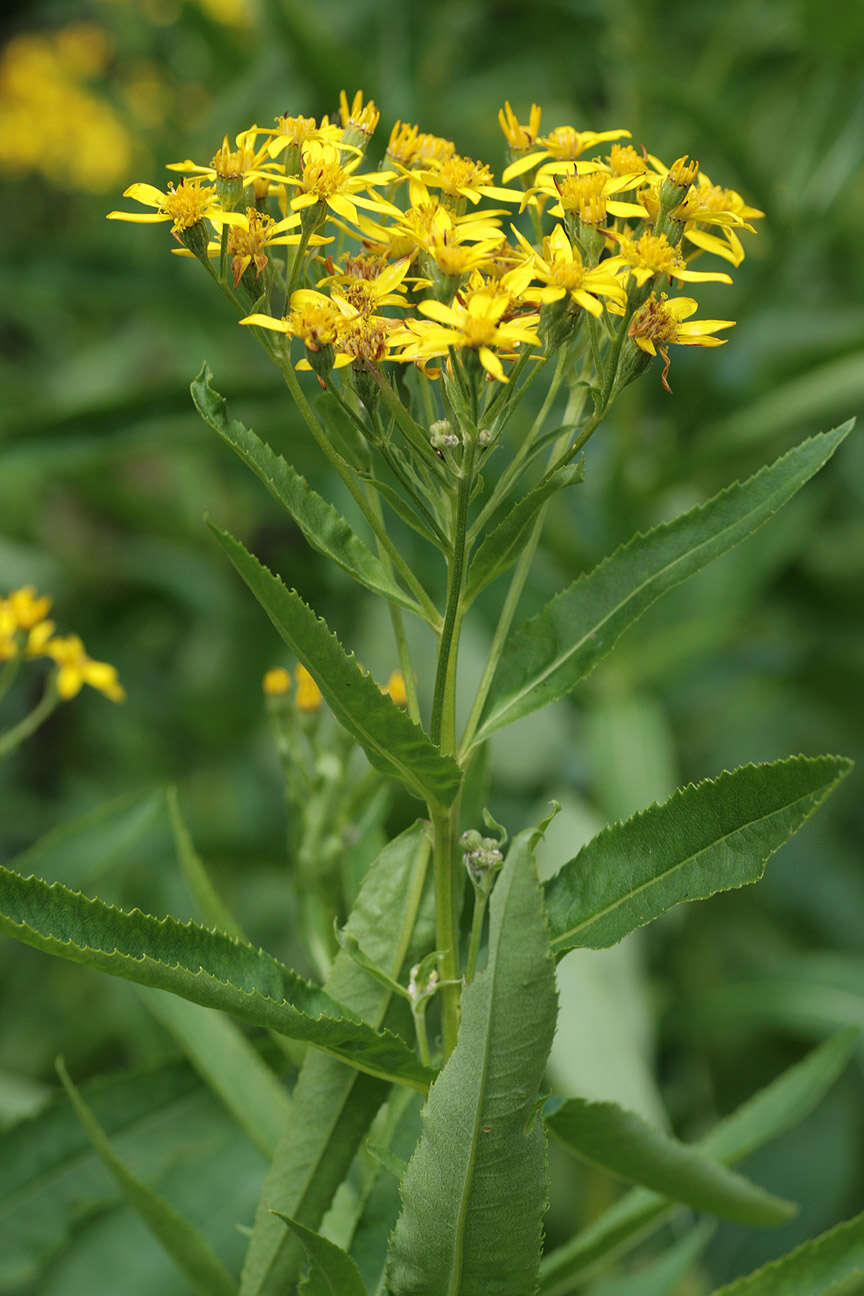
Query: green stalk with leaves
[[429, 323]]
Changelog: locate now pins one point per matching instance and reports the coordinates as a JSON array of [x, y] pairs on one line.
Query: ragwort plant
[[426, 300]]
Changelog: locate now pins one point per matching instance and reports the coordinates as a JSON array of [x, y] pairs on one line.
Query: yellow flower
[[653, 254], [408, 145], [561, 271], [77, 669], [422, 226], [520, 137], [308, 693], [625, 160], [457, 178], [660, 322], [27, 608], [277, 682], [705, 205], [185, 206], [563, 144], [325, 182], [357, 118], [242, 163], [475, 321], [395, 688], [318, 322], [251, 234], [591, 196], [367, 283]]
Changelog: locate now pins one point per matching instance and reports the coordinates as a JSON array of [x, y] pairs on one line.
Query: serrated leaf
[[207, 967], [552, 651], [707, 837], [619, 1141], [776, 1108], [331, 1271], [809, 1269], [474, 1193], [391, 740], [190, 1252], [322, 525], [333, 1106], [503, 545]]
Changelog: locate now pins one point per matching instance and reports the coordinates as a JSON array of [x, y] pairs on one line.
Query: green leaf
[[503, 545], [333, 1106], [778, 1107], [809, 1269], [331, 1271], [322, 525], [619, 1141], [49, 1173], [228, 1063], [707, 837], [210, 903], [664, 1275], [207, 967], [190, 1252], [474, 1193], [393, 743], [552, 651]]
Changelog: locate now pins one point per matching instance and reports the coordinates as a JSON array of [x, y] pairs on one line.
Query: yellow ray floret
[[563, 144], [561, 273], [187, 204]]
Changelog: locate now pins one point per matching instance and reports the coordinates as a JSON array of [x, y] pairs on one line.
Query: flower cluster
[[26, 632], [430, 259]]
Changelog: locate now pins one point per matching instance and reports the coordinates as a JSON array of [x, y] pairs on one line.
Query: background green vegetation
[[106, 472]]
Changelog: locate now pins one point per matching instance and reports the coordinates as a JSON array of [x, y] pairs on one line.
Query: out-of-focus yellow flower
[[27, 607], [75, 669], [51, 121], [184, 206], [277, 682], [395, 687], [308, 693]]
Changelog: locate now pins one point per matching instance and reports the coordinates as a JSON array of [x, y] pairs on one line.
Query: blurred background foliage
[[107, 473]]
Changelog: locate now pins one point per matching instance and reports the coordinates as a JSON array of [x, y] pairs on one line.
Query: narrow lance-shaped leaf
[[627, 1146], [812, 1268], [331, 1271], [552, 651], [332, 1105], [780, 1106], [207, 967], [391, 740], [706, 838], [191, 1252], [322, 525], [475, 1192]]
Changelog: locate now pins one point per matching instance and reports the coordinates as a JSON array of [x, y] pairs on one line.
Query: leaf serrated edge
[[842, 764], [526, 629]]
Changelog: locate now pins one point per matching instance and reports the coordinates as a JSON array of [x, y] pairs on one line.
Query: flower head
[[660, 322], [653, 254], [563, 144], [185, 206], [562, 274], [519, 136], [325, 182], [77, 669]]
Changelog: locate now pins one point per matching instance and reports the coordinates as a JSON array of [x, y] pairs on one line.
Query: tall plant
[[427, 301]]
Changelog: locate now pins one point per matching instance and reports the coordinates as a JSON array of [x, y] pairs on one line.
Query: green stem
[[443, 723], [444, 829], [419, 1015], [13, 737], [349, 478], [305, 234], [514, 592], [396, 619], [476, 932], [9, 672]]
